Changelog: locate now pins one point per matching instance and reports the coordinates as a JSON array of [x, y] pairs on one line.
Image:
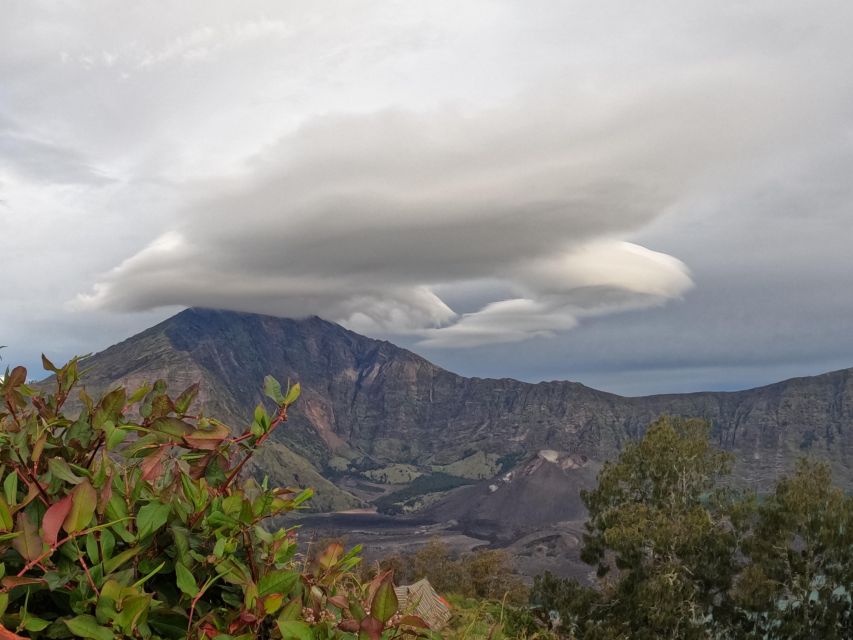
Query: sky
[[644, 197]]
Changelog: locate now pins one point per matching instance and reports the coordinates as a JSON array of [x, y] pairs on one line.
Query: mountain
[[377, 421]]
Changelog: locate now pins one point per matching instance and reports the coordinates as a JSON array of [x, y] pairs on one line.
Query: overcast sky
[[641, 196]]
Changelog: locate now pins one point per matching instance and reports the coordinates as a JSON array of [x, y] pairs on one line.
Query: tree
[[570, 601], [492, 576], [661, 532], [799, 580], [130, 519]]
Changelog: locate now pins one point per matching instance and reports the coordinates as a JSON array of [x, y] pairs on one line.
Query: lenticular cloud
[[360, 219]]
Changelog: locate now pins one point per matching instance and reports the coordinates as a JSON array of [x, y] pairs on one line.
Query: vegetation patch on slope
[[423, 485], [477, 466]]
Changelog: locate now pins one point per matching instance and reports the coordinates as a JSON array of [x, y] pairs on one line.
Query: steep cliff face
[[366, 399]]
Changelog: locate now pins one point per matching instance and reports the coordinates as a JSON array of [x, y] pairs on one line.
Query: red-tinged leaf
[[339, 601], [47, 364], [16, 378], [152, 466], [84, 499], [5, 634], [38, 447], [208, 438], [53, 519], [331, 555], [10, 582], [351, 625], [203, 444], [413, 621], [106, 494], [29, 543], [370, 629]]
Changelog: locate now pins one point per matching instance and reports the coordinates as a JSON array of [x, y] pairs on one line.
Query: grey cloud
[[481, 151], [359, 218], [355, 218]]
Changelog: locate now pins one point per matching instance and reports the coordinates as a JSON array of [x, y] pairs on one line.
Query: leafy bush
[[475, 619], [132, 520], [485, 573]]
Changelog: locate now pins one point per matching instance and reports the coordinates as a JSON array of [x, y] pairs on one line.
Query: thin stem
[[280, 417], [95, 451], [86, 569]]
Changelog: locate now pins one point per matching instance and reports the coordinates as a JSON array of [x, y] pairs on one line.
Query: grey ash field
[[476, 461]]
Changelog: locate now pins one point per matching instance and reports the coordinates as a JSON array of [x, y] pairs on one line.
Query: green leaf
[[113, 403], [151, 517], [6, 522], [87, 626], [148, 575], [172, 426], [120, 558], [186, 580], [84, 499], [272, 390], [92, 548], [137, 395], [10, 488], [133, 612], [183, 401], [60, 469], [385, 602], [115, 436], [277, 582], [291, 629], [168, 623], [32, 623], [293, 394], [108, 543], [291, 611], [29, 543]]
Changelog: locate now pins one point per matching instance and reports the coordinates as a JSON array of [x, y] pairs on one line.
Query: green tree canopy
[[660, 534], [679, 554]]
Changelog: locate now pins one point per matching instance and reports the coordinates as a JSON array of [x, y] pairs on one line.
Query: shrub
[[485, 573], [132, 520]]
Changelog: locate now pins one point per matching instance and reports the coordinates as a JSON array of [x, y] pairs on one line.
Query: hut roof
[[422, 600]]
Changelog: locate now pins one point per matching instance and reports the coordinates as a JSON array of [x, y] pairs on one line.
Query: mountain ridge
[[369, 404]]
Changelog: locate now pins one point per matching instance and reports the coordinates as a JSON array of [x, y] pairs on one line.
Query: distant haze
[[644, 197]]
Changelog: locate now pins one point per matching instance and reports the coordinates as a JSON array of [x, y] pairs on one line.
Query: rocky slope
[[541, 492], [367, 403]]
